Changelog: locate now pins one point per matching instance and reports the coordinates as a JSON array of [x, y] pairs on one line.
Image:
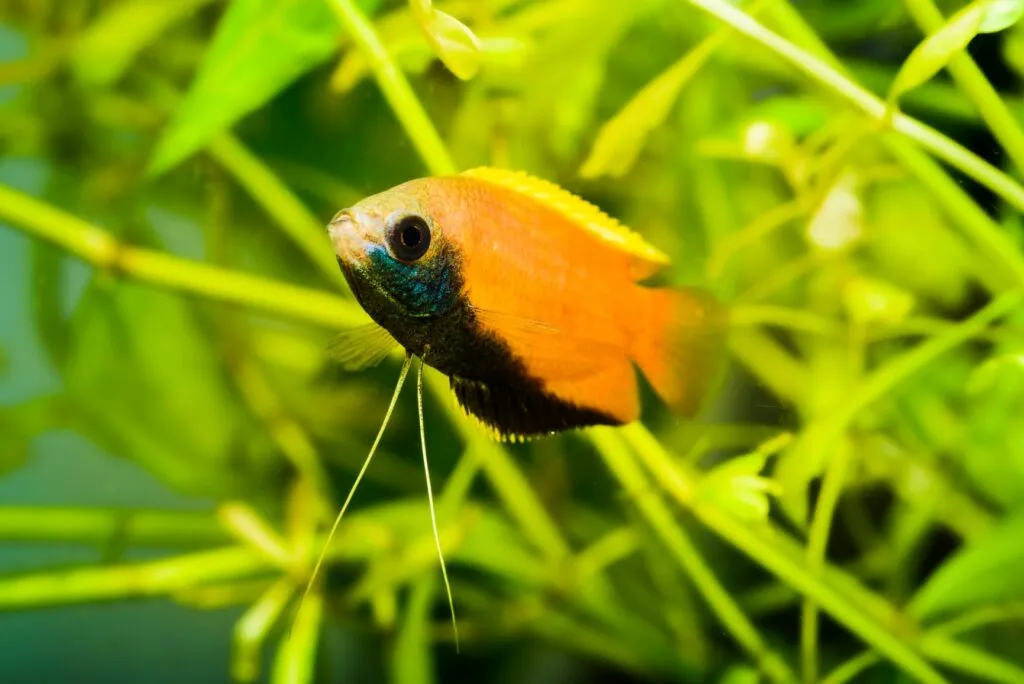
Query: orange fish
[[528, 298]]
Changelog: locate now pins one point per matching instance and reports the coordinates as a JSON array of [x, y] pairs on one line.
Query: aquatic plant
[[860, 213]]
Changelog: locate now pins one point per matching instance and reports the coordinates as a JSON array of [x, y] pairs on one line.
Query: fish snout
[[349, 236]]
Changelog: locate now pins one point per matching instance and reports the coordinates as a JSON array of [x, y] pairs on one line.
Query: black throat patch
[[489, 381]]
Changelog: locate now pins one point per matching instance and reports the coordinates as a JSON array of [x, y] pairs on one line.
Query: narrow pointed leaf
[[259, 48], [935, 51]]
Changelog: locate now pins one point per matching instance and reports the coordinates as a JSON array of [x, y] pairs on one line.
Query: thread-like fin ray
[[359, 478], [430, 500]]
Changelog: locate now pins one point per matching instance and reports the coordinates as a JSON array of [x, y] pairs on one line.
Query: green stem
[[831, 78], [965, 658], [252, 629], [771, 363], [155, 578], [828, 499], [851, 668], [100, 249], [954, 200], [750, 315], [296, 655], [286, 432], [971, 218], [980, 618], [848, 603], [412, 662], [821, 436], [508, 481], [396, 89], [971, 80], [633, 481], [99, 526], [249, 527], [267, 190]]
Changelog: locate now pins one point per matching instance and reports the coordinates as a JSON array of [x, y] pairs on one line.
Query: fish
[[528, 298]]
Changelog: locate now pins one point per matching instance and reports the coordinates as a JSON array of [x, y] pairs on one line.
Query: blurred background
[[175, 437]]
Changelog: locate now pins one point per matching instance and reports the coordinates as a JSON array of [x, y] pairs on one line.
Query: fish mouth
[[349, 238], [350, 248]]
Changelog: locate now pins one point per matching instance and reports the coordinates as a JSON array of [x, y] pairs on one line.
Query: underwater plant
[[843, 176]]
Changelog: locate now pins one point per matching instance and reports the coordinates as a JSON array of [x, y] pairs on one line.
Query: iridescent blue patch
[[424, 288]]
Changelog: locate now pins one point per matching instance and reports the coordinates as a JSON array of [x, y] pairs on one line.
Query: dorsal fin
[[574, 208]]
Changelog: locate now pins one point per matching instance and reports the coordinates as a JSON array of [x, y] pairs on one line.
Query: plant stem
[[750, 315], [965, 658], [956, 202], [98, 526], [508, 481], [288, 434], [639, 488], [831, 78], [154, 578], [981, 617], [771, 363], [971, 218], [821, 435], [828, 499], [412, 662], [249, 527], [295, 220], [851, 668], [252, 628], [396, 89], [296, 655], [100, 249], [846, 602], [971, 80]]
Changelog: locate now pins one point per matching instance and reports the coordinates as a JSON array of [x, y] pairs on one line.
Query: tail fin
[[680, 344]]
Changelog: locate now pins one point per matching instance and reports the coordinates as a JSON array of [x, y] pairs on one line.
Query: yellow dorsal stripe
[[576, 209]]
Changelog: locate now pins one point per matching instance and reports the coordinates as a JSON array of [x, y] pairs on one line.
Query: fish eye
[[409, 238]]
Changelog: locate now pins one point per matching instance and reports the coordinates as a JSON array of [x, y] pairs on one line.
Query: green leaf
[[260, 47], [945, 275], [1001, 15], [740, 674], [20, 424], [14, 442], [108, 47], [147, 385], [737, 486], [935, 51], [993, 443], [48, 278], [563, 77], [621, 139], [987, 571], [413, 661], [872, 300], [838, 222], [452, 41]]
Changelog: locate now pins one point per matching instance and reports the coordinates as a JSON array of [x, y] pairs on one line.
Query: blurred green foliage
[[843, 174]]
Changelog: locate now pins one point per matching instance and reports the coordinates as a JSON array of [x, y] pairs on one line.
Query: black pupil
[[411, 235], [409, 238]]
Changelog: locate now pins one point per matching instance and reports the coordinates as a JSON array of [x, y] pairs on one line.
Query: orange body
[[567, 301]]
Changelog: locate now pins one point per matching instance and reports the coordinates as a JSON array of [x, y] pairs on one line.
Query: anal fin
[[519, 412]]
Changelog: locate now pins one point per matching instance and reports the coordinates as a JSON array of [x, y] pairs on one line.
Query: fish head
[[393, 250]]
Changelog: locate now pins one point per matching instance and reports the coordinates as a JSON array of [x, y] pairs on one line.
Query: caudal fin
[[680, 344]]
